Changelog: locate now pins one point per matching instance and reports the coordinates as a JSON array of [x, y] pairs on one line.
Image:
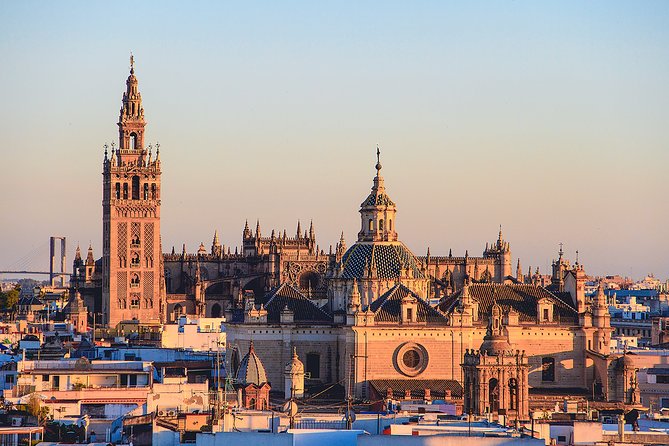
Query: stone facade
[[132, 269]]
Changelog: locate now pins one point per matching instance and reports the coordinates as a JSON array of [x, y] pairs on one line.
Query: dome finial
[[132, 63], [378, 159]]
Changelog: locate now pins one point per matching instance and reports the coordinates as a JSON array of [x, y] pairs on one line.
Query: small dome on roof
[[295, 366], [251, 370]]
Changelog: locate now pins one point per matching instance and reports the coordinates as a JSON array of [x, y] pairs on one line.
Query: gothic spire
[[247, 231], [299, 229], [90, 260]]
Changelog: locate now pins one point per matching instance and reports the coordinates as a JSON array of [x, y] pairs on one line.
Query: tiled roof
[[29, 300], [377, 200], [251, 369], [416, 387], [387, 307], [304, 310], [521, 298], [388, 258]]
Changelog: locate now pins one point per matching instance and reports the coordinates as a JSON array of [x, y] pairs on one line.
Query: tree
[[9, 299], [35, 408]]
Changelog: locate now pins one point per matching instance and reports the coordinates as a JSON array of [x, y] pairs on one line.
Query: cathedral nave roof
[[387, 307], [520, 297], [304, 310]]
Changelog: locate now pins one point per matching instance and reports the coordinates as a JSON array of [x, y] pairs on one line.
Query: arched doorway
[[216, 310], [493, 395]]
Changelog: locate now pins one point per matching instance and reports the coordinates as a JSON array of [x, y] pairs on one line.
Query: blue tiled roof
[[388, 258]]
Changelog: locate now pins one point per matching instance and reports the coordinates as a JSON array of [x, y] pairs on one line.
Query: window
[[134, 281], [133, 141], [545, 314], [548, 369], [146, 191], [135, 187], [153, 191], [371, 224], [662, 379], [134, 261], [409, 314], [118, 191], [134, 301], [125, 191], [9, 379], [411, 359], [177, 311], [314, 365], [513, 394], [381, 225], [390, 225]]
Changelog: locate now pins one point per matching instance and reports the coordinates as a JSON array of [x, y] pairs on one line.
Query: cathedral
[[374, 318]]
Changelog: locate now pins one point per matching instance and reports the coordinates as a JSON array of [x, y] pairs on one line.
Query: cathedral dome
[[251, 370], [382, 260], [495, 345]]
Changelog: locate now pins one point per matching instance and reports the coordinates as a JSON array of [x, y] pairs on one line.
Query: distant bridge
[[52, 273]]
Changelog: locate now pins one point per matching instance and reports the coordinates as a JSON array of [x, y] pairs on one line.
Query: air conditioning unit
[[171, 413], [17, 421], [161, 413]]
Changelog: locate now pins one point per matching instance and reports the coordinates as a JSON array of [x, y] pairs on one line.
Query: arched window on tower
[[381, 225], [134, 281], [371, 225], [125, 191], [133, 140], [146, 191], [118, 191], [390, 225], [135, 187], [153, 191]]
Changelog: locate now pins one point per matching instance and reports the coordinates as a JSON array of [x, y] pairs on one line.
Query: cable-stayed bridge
[[25, 264]]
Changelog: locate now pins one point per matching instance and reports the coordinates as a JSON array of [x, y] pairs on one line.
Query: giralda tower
[[132, 255]]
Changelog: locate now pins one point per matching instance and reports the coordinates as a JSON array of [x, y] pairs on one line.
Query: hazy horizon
[[547, 118]]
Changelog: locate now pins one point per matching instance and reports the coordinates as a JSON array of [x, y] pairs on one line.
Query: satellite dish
[[290, 408]]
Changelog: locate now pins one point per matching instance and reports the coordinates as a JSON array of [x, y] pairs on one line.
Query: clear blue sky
[[549, 118]]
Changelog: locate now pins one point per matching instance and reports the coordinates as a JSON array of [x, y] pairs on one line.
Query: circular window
[[411, 359]]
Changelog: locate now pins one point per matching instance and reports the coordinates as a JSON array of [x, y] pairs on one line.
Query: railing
[[52, 366]]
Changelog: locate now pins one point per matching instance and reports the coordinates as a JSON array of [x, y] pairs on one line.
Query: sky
[[548, 118]]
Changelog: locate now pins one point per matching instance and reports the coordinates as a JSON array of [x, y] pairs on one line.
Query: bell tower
[[377, 212], [132, 254]]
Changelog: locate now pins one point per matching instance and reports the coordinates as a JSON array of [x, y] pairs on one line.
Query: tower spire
[[377, 211], [131, 119]]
